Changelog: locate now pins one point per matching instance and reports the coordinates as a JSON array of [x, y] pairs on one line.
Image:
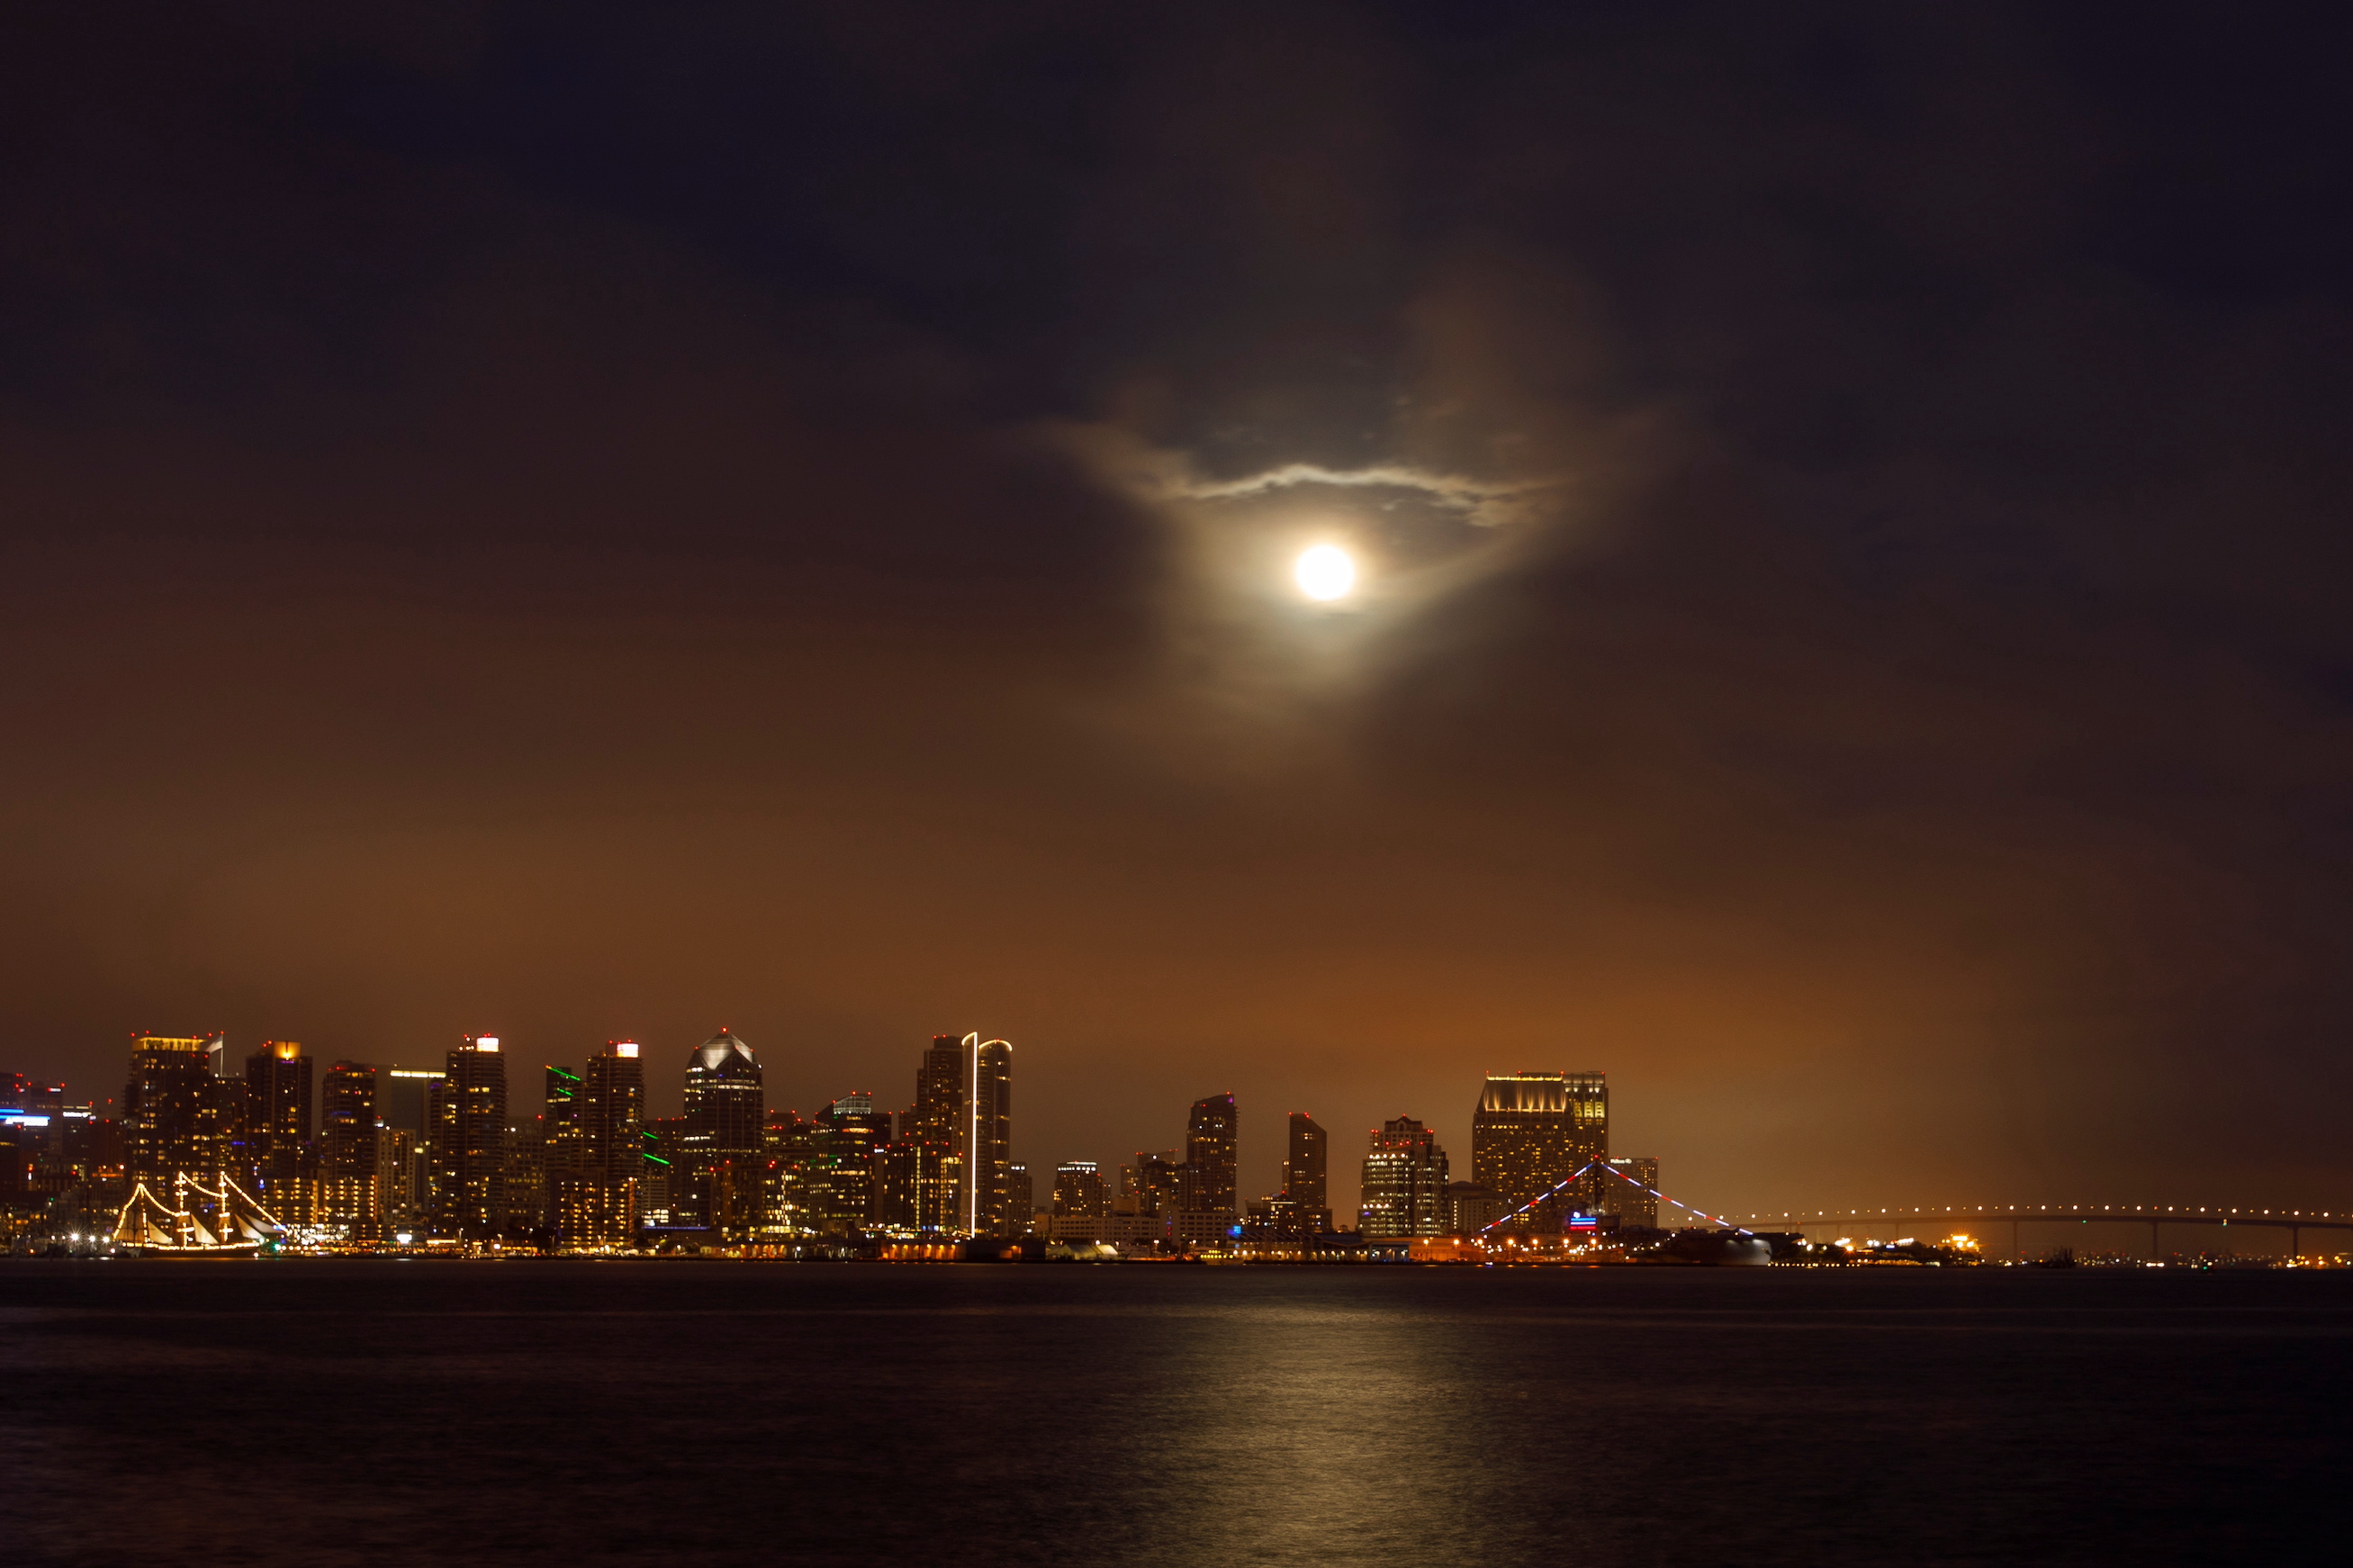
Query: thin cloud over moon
[[1487, 503]]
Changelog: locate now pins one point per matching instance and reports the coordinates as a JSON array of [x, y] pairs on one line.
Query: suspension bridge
[[1587, 1220], [2156, 1217]]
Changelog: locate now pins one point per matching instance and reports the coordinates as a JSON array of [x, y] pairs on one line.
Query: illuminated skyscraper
[[1405, 1182], [1306, 1161], [1208, 1184], [469, 1142], [527, 1197], [1079, 1191], [789, 1142], [922, 1186], [1632, 1206], [949, 1170], [718, 1171], [1021, 1201], [278, 1089], [846, 1174], [613, 1116], [175, 1115], [988, 1141], [605, 1206], [1535, 1129], [1152, 1182], [564, 1145], [351, 1188], [398, 1205]]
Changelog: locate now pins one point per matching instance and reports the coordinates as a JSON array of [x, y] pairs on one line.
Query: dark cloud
[[579, 520]]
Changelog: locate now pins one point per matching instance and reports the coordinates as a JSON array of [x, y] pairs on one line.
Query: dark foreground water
[[589, 1414]]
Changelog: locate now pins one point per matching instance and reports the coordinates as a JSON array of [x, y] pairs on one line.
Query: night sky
[[577, 521]]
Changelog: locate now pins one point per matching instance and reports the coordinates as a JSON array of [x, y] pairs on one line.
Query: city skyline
[[1330, 600], [1065, 784], [564, 1100]]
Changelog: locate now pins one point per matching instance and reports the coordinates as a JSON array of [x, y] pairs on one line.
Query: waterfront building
[[278, 1080], [178, 1115], [922, 1176], [1198, 1228], [613, 1116], [400, 1205], [526, 1197], [564, 1142], [659, 1182], [1078, 1190], [1535, 1129], [1471, 1207], [351, 1185], [1020, 1200], [986, 1144], [844, 1172], [715, 1173], [789, 1142], [606, 1209], [469, 1142], [1404, 1181], [1304, 1206], [1151, 1182], [402, 1096], [1632, 1206], [1307, 1163], [1207, 1185]]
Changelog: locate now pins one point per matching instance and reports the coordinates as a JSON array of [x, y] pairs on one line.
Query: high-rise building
[[789, 1142], [1078, 1190], [400, 1208], [176, 1116], [1404, 1181], [717, 1172], [469, 1142], [401, 1097], [1305, 1164], [277, 1093], [938, 1110], [1151, 1183], [351, 1187], [527, 1196], [348, 1125], [1634, 1206], [1208, 1185], [924, 1173], [563, 1146], [1020, 1200], [660, 1181], [1533, 1131], [1300, 1208], [603, 1204], [988, 1141], [613, 1116], [846, 1181]]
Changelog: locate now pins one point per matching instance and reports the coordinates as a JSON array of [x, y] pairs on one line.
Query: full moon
[[1324, 571]]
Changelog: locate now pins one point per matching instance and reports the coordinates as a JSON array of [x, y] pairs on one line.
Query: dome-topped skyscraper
[[719, 1155]]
